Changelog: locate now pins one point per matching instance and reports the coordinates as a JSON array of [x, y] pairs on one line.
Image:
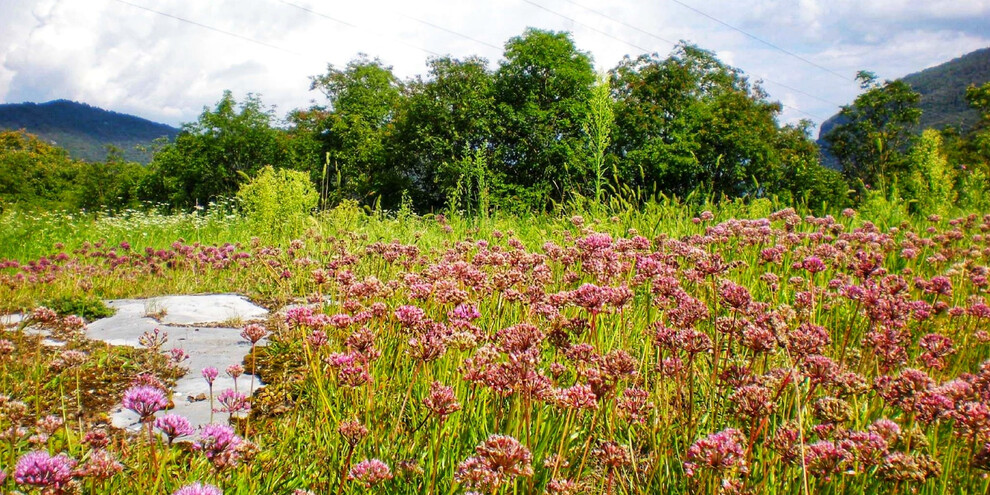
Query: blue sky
[[117, 55]]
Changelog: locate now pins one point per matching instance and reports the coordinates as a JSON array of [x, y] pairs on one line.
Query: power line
[[348, 24], [455, 33], [761, 40], [211, 28], [599, 31], [768, 80], [618, 21]]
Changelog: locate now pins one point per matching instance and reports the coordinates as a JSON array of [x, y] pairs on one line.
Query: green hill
[[83, 130], [942, 89]]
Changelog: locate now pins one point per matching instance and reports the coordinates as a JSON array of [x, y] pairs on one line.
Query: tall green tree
[[363, 100], [444, 122], [211, 157], [876, 129], [541, 93], [690, 122]]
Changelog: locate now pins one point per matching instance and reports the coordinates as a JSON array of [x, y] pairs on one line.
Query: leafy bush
[[87, 307], [277, 202]]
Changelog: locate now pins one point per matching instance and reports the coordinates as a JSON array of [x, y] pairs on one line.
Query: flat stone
[[216, 346], [11, 320]]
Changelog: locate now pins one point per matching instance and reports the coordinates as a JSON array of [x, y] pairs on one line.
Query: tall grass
[[601, 349]]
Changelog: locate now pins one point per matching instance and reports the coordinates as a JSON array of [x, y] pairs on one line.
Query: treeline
[[540, 129]]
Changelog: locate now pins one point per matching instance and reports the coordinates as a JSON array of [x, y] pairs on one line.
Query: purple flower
[[217, 441], [441, 400], [144, 400], [40, 469], [209, 374], [370, 472], [232, 402], [720, 451], [174, 426], [198, 488]]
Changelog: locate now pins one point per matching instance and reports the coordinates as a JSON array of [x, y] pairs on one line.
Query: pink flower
[[210, 374], [254, 332], [441, 401], [174, 426], [144, 400], [40, 469], [370, 472], [722, 451], [198, 489]]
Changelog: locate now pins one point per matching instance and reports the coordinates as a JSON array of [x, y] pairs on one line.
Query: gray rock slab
[[11, 320], [207, 346]]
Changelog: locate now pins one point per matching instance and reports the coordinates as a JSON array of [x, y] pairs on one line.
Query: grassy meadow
[[658, 349]]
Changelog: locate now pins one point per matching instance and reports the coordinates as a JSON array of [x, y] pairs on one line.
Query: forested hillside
[[85, 131]]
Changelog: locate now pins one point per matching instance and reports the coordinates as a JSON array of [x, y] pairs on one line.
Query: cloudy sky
[[166, 59]]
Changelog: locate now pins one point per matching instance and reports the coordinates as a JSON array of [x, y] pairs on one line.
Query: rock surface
[[203, 326]]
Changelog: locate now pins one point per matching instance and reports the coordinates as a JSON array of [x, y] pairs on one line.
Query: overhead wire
[[351, 25], [211, 28], [765, 42], [653, 35], [579, 23]]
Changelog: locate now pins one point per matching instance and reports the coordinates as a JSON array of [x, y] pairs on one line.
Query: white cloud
[[118, 56]]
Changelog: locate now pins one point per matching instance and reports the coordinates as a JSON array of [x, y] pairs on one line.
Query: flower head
[[722, 451], [40, 469], [174, 426], [198, 488], [144, 400], [370, 472]]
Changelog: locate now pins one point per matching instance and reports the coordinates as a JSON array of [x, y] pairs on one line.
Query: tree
[[690, 122], [802, 178], [541, 93], [875, 130], [445, 121], [363, 99], [112, 184], [34, 173], [210, 157]]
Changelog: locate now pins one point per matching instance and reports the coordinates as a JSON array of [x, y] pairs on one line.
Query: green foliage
[[598, 133], [928, 185], [34, 173], [443, 121], [802, 180], [210, 157], [689, 122], [542, 90], [363, 99], [277, 202], [471, 194], [86, 306], [876, 129]]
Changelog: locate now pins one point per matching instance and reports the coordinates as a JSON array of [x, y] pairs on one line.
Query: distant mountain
[[943, 90], [85, 130]]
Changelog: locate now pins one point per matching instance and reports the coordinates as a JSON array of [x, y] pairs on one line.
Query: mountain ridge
[[85, 130], [942, 88]]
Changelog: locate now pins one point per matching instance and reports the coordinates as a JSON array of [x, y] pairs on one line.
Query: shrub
[[277, 202], [87, 307]]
